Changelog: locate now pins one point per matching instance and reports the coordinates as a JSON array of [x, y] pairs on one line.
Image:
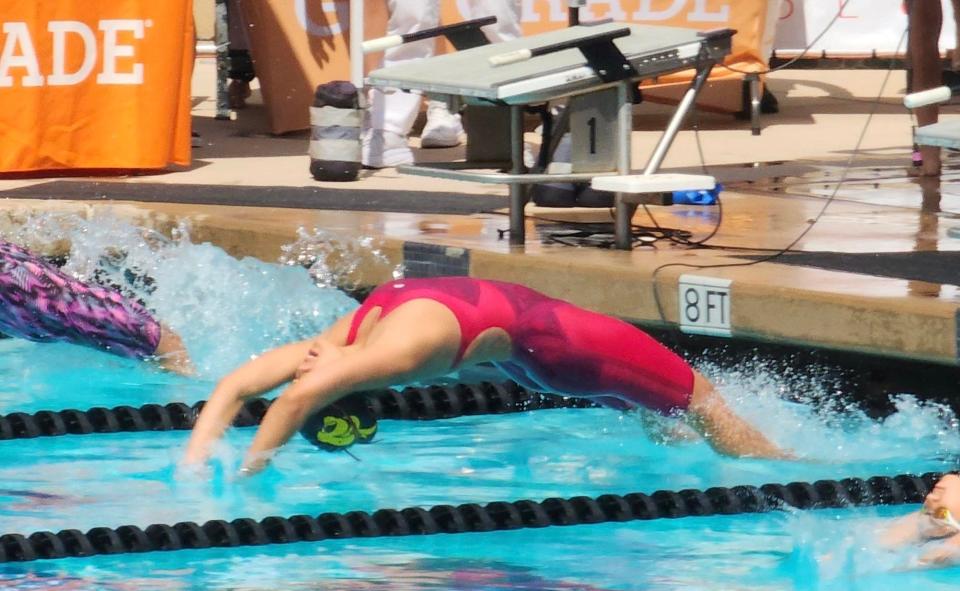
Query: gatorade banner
[[94, 84], [754, 20], [297, 44]]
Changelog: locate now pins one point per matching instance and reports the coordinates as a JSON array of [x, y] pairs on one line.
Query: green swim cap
[[340, 425]]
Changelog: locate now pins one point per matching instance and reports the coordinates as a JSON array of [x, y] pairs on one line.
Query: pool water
[[228, 310]]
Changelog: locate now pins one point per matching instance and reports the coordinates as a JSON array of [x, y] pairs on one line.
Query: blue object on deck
[[702, 197]]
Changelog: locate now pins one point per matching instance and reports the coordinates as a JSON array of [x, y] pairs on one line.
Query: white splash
[[337, 259], [225, 309], [799, 408]]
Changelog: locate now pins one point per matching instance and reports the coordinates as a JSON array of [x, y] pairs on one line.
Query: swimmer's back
[[477, 304]]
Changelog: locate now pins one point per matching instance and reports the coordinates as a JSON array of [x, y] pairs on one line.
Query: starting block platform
[[594, 69], [945, 134]]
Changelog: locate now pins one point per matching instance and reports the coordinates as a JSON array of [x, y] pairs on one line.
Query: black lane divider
[[471, 517], [433, 402]]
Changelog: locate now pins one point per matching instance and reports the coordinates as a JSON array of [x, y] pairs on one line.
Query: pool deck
[[776, 184]]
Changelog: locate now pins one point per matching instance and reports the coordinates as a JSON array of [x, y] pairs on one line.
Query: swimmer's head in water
[[943, 502], [340, 425]]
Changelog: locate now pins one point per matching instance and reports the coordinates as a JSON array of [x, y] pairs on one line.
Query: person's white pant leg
[[508, 17], [393, 110], [410, 16]]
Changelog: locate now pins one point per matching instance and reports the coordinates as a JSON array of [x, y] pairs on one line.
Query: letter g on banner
[[340, 10]]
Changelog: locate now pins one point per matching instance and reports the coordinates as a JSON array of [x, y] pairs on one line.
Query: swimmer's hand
[[308, 363], [255, 463], [943, 554], [192, 471], [194, 459]]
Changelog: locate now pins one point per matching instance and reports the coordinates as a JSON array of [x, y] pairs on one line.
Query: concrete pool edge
[[804, 307]]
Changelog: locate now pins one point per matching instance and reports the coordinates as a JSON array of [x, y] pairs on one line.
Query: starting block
[[634, 186], [595, 69], [634, 189], [945, 134]]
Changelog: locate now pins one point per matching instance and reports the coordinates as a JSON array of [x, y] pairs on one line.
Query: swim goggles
[[944, 517]]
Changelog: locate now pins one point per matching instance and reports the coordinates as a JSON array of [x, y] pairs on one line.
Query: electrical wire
[[788, 248], [806, 49], [581, 233]]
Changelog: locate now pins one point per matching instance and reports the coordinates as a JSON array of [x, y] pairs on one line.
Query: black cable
[[469, 517], [642, 236], [685, 240], [571, 233], [843, 177], [802, 53]]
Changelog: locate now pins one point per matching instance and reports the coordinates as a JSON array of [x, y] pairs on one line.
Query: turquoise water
[[228, 310]]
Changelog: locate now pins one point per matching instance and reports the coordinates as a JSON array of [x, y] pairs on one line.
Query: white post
[[356, 42]]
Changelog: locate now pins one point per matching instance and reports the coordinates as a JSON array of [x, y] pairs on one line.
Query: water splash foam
[[225, 309]]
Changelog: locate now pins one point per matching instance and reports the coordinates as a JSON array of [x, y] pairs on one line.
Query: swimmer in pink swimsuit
[[414, 330], [557, 347], [38, 302]]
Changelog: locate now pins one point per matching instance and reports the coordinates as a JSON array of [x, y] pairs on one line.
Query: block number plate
[[704, 305], [593, 131]]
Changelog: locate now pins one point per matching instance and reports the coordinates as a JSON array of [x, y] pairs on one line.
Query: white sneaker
[[384, 149], [443, 128]]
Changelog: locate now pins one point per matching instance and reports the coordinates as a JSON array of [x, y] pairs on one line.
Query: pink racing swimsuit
[[557, 347], [39, 302]]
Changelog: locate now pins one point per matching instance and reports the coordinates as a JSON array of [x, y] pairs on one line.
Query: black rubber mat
[[929, 266], [346, 199]]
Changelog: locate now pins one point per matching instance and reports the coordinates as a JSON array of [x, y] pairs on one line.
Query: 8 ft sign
[[704, 305]]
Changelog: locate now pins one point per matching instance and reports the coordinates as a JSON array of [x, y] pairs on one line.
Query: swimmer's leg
[[39, 302], [171, 354], [726, 432]]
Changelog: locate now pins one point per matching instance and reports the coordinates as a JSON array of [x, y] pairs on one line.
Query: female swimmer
[[38, 302], [420, 329], [935, 524]]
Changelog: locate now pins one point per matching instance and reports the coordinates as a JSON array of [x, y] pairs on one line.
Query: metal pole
[[624, 211], [356, 43], [222, 40], [753, 84], [573, 11], [689, 97], [518, 191]]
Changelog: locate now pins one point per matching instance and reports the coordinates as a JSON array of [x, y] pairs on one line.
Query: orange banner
[[297, 44], [95, 84]]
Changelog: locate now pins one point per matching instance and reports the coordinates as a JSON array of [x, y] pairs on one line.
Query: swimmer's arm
[[266, 372], [355, 372], [904, 530], [945, 553]]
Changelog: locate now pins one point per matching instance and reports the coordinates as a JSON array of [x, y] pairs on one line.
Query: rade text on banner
[[94, 84]]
